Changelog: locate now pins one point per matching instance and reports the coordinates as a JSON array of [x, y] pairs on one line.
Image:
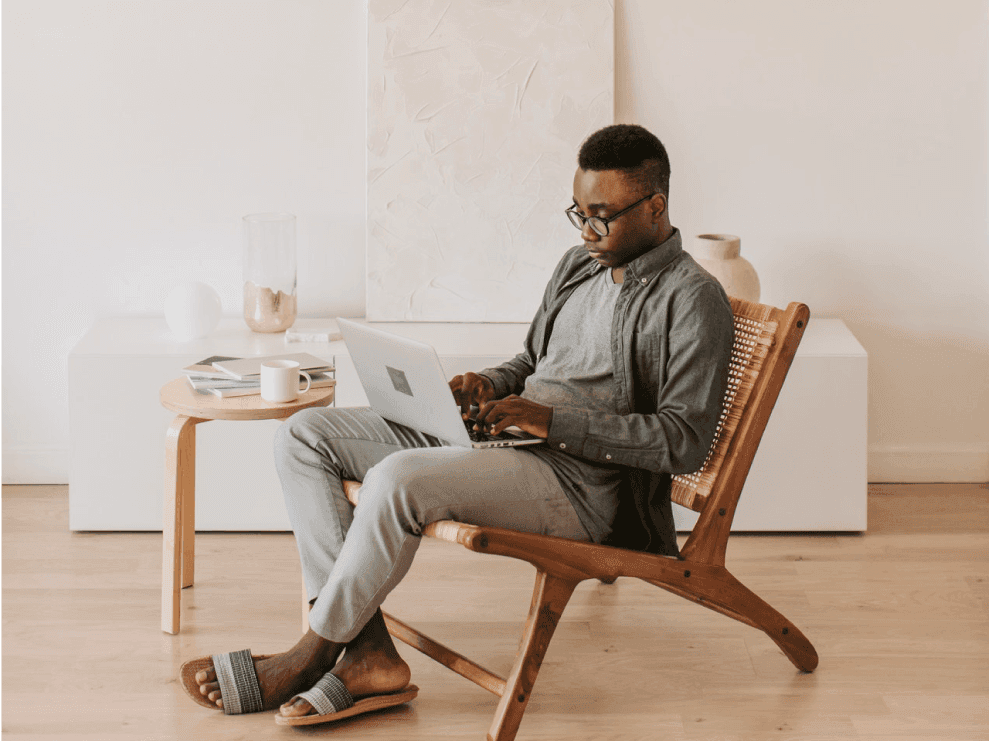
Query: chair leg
[[791, 641], [549, 598], [717, 589]]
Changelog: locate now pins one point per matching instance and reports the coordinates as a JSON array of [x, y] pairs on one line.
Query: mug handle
[[308, 381]]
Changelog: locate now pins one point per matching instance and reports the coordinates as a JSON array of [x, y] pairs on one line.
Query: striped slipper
[[235, 674], [332, 701]]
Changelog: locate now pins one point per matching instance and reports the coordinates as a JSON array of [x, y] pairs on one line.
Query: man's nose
[[588, 234]]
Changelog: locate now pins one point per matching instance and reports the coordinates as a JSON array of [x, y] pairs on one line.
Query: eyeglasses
[[598, 224]]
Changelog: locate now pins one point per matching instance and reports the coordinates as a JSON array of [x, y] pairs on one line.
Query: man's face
[[604, 193]]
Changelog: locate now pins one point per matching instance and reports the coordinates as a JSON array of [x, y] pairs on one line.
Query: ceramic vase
[[719, 254]]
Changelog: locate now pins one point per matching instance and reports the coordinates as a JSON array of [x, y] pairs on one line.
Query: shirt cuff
[[568, 430], [497, 379]]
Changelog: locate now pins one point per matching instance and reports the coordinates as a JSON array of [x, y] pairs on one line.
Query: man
[[623, 372]]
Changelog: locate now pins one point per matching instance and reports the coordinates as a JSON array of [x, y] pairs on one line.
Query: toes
[[206, 675], [214, 696], [296, 709], [206, 689]]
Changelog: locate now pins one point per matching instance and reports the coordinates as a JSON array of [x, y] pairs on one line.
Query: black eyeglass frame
[[578, 220]]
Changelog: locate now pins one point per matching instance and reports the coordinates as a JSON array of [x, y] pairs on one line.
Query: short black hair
[[631, 149]]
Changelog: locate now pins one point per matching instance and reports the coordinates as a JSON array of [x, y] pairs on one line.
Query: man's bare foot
[[370, 666], [280, 677]]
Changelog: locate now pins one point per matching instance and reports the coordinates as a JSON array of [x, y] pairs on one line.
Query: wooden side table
[[179, 528]]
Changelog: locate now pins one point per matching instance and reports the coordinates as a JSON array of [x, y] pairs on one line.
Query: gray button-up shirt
[[671, 345]]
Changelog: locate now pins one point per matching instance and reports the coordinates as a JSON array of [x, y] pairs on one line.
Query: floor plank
[[899, 616]]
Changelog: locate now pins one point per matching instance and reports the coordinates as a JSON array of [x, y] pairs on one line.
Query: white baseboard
[[35, 465], [890, 464], [926, 464]]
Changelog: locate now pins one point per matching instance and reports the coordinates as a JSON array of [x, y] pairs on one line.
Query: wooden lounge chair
[[765, 342]]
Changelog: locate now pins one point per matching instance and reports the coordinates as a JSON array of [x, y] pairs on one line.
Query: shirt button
[[644, 280], [563, 445], [608, 457]]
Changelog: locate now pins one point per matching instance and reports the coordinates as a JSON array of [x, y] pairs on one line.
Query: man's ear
[[658, 203]]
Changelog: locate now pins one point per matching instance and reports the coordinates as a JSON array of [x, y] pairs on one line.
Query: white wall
[[845, 142], [136, 136]]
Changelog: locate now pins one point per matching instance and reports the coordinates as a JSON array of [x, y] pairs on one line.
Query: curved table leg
[[188, 515], [178, 527]]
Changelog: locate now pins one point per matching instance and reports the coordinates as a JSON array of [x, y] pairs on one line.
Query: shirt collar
[[654, 261]]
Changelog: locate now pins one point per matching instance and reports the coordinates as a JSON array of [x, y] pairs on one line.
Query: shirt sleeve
[[676, 437]]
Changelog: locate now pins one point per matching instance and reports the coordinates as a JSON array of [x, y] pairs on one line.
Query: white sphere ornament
[[192, 310]]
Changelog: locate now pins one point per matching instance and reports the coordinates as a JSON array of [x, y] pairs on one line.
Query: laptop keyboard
[[480, 436]]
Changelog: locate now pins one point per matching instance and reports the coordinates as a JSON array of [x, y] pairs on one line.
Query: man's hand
[[471, 388], [514, 410]]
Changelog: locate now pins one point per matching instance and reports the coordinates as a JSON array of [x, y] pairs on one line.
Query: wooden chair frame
[[766, 340]]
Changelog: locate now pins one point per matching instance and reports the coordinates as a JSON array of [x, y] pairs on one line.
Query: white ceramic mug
[[280, 380]]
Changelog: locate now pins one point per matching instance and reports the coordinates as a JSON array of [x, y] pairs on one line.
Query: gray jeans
[[353, 557]]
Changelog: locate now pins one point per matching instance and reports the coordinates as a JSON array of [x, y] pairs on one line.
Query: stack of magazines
[[225, 376]]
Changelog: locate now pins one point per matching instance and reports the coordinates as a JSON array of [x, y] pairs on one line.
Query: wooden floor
[[900, 618]]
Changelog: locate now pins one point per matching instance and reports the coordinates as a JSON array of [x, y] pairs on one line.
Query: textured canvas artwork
[[476, 109]]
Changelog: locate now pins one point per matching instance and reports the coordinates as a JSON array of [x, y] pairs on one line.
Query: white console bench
[[809, 473]]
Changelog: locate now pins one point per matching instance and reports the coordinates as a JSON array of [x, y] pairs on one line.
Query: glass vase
[[269, 272]]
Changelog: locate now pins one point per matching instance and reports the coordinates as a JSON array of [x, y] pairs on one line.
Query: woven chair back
[[755, 333]]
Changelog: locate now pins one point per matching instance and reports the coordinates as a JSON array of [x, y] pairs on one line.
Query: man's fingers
[[484, 410], [469, 389], [470, 398], [495, 416], [506, 414], [457, 388], [504, 423]]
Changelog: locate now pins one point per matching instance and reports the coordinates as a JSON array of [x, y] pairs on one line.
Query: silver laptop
[[405, 383]]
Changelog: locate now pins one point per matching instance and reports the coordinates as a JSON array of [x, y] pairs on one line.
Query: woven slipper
[[332, 701], [235, 674]]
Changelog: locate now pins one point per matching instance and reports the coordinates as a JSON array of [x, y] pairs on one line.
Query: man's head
[[619, 166]]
